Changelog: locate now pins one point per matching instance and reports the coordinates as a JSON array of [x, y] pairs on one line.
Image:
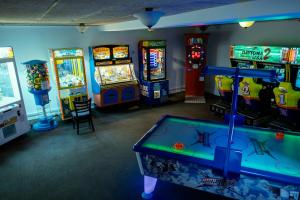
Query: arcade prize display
[[13, 118], [195, 61], [112, 75], [152, 73], [69, 68], [225, 159], [38, 85]]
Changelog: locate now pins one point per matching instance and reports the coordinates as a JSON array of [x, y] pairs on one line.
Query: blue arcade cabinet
[[152, 73]]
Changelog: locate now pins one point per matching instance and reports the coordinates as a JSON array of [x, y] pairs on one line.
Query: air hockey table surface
[[262, 154]]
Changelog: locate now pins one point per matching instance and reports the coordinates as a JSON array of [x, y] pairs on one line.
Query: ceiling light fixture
[[82, 28], [246, 24], [149, 17]]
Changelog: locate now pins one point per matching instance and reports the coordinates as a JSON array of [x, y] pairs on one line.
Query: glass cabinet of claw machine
[[69, 68], [13, 118]]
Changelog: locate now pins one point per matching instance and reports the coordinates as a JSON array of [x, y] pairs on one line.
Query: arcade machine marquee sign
[[260, 53]]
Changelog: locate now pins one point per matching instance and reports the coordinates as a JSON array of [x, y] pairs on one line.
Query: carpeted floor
[[62, 165]]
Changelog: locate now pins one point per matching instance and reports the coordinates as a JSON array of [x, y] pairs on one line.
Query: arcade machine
[[195, 61], [287, 96], [257, 93], [152, 73], [112, 75], [13, 119], [69, 68], [39, 86], [225, 159], [224, 87]]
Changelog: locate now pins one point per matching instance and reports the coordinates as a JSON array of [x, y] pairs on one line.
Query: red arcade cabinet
[[195, 61]]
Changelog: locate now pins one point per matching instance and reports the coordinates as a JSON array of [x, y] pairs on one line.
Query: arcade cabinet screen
[[157, 63], [101, 53], [245, 65], [195, 54], [280, 72], [120, 52], [297, 82]]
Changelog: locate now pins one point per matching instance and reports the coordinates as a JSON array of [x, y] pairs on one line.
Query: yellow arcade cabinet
[[69, 68], [257, 94], [224, 87], [287, 96]]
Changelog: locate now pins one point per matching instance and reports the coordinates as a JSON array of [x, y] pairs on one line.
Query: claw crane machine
[[69, 68], [13, 118]]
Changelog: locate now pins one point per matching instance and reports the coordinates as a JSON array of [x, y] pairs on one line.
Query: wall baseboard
[[56, 112], [176, 90], [38, 114]]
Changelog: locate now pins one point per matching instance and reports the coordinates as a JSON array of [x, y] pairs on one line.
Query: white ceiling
[[93, 12], [257, 10]]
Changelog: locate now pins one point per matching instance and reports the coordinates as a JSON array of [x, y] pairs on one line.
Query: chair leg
[[77, 127], [91, 121], [73, 122]]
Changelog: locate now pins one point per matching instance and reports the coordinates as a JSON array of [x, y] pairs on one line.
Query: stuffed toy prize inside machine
[[38, 85]]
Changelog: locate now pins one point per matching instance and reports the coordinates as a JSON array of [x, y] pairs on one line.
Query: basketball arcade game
[[152, 73], [112, 75], [257, 93], [236, 162], [13, 119], [195, 61], [69, 68]]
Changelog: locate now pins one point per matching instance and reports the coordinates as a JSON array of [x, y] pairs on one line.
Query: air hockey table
[[186, 151]]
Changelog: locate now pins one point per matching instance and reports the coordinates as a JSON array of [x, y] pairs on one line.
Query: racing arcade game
[[195, 61], [287, 96], [224, 87], [257, 93]]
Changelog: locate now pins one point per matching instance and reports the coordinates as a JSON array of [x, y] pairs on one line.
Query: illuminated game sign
[[68, 53], [101, 53], [298, 56], [154, 43], [259, 53], [120, 52], [6, 52], [295, 56], [153, 58], [197, 40]]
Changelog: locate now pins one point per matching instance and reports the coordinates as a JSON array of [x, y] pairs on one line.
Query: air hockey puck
[[279, 135], [178, 146]]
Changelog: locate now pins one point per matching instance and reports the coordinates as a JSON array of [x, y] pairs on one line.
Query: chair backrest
[[82, 107]]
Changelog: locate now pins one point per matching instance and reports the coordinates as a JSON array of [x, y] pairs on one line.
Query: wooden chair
[[82, 113]]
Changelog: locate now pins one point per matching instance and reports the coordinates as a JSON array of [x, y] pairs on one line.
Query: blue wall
[[33, 43]]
